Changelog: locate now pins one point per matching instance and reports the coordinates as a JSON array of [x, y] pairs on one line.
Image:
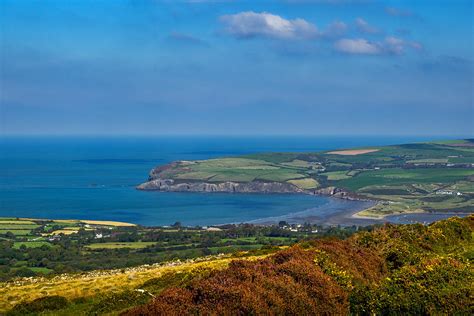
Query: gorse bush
[[431, 287], [118, 301], [47, 303], [397, 269]]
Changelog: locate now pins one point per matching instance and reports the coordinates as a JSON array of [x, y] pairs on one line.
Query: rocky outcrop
[[162, 179], [170, 185], [339, 193]]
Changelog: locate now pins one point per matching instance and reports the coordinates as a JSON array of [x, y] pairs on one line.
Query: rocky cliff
[[162, 178], [171, 185]]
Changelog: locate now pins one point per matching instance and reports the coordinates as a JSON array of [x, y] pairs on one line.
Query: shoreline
[[336, 212]]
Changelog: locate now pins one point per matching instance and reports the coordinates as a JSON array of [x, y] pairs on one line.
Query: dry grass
[[98, 282], [352, 152], [108, 223], [63, 231], [16, 222], [78, 221]]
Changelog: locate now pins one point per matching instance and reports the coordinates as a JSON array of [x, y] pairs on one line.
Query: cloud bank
[[251, 24], [364, 27], [390, 46], [357, 46]]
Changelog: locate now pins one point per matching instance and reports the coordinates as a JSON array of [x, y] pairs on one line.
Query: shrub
[[118, 301], [47, 303]]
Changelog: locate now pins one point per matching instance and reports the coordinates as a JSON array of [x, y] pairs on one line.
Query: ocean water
[[95, 178]]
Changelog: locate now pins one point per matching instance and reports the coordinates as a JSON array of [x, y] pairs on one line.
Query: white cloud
[[397, 12], [394, 45], [391, 45], [358, 46], [251, 24], [335, 29], [364, 27], [397, 46]]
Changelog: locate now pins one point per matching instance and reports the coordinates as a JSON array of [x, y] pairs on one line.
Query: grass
[[116, 245], [64, 231], [40, 270], [280, 176], [336, 175], [107, 223], [197, 175], [385, 174], [404, 176], [305, 184], [14, 222], [238, 170], [464, 186], [256, 239], [426, 161], [16, 232], [18, 226], [30, 244], [92, 284], [298, 163]]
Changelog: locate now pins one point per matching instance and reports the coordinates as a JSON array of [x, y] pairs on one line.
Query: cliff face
[[170, 185], [161, 179]]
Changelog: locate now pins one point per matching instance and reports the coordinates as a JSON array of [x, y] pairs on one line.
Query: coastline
[[342, 216], [338, 212]]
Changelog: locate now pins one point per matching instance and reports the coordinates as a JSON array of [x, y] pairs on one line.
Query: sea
[[87, 177]]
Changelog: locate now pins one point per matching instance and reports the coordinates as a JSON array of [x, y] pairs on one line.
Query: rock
[[170, 185]]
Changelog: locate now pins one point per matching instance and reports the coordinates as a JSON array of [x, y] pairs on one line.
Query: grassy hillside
[[395, 269], [436, 176], [40, 247], [407, 269]]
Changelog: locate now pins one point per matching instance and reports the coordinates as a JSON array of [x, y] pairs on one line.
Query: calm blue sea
[[95, 178]]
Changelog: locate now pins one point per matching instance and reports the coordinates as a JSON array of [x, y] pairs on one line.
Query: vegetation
[[422, 177], [406, 269], [74, 246], [394, 269]]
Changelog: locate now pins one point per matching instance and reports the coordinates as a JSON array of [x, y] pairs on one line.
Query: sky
[[284, 67]]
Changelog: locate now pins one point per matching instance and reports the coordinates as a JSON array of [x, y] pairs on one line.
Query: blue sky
[[316, 67]]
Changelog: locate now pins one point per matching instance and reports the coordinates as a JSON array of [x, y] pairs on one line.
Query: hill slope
[[436, 176], [393, 270]]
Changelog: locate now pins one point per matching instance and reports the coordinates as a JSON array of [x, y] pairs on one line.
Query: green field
[[404, 176], [30, 244], [409, 174], [17, 226], [234, 169], [19, 232], [306, 183], [336, 175], [116, 245]]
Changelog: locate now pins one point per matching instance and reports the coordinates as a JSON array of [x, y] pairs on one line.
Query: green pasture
[[336, 175], [30, 244], [18, 226], [117, 245], [13, 221], [237, 170], [405, 176], [16, 232], [276, 158], [305, 184], [426, 161]]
